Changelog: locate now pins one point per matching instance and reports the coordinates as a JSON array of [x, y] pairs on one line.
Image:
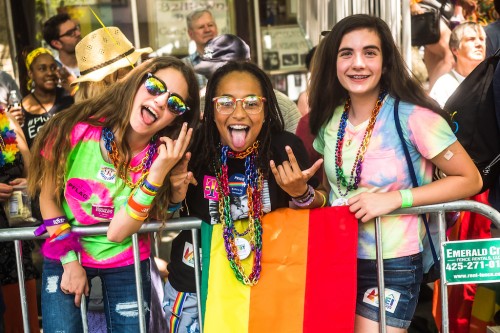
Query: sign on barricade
[[472, 261]]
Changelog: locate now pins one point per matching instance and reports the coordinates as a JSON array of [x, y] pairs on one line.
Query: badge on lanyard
[[243, 247]]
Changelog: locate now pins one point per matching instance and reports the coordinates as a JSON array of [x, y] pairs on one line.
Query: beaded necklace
[[355, 176], [8, 143], [110, 144], [253, 181]]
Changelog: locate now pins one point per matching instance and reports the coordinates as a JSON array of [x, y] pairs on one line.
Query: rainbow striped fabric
[[308, 280]]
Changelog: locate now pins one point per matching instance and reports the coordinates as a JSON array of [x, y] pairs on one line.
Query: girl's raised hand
[[289, 176], [170, 152], [180, 178]]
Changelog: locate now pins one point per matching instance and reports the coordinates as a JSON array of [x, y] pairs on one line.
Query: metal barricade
[[185, 223], [439, 210], [188, 223]]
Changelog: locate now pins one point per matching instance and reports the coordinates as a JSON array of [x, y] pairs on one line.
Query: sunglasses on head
[[156, 87]]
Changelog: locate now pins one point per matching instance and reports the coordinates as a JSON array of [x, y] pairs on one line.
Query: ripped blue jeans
[[59, 313]]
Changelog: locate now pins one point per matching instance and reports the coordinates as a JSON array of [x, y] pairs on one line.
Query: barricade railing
[[188, 223], [26, 233], [439, 210]]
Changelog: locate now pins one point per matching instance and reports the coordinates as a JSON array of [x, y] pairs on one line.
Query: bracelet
[[173, 207], [406, 198], [324, 199], [49, 223], [68, 257], [153, 187], [59, 231], [306, 199], [306, 196], [134, 215], [143, 198], [147, 191], [137, 206]]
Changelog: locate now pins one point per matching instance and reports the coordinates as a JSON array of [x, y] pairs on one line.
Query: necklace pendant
[[348, 142], [243, 247], [340, 202]]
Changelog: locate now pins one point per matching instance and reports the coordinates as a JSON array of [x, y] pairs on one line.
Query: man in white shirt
[[62, 34], [468, 45]]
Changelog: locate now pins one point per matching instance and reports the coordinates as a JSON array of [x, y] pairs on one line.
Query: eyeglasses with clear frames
[[227, 104], [71, 32]]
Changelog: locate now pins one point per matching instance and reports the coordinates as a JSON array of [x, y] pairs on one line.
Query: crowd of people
[[101, 136]]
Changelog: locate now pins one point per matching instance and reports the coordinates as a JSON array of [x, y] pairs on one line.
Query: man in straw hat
[[104, 56]]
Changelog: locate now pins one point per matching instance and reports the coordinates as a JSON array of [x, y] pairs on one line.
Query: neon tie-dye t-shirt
[[385, 169], [93, 194]]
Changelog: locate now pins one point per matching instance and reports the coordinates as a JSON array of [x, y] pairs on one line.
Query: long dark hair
[[208, 138], [325, 91]]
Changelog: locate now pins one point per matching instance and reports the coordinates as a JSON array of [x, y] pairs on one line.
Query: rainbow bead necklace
[[355, 176], [253, 181], [8, 143], [110, 144]]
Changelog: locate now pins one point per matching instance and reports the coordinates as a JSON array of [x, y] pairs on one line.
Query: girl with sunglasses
[[245, 165], [369, 87], [106, 159]]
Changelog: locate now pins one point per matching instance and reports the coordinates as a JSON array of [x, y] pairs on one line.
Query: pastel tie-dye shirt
[[385, 169], [92, 194]]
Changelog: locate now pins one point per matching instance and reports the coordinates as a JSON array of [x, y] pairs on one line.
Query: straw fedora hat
[[104, 51]]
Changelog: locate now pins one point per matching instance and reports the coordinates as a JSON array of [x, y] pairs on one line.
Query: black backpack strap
[[412, 173]]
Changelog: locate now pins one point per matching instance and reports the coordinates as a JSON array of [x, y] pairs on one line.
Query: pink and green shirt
[[93, 194]]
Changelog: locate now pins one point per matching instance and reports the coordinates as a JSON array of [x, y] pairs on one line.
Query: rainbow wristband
[[153, 187], [406, 198], [59, 231]]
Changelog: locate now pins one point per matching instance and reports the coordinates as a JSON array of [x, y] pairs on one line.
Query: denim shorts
[[402, 278]]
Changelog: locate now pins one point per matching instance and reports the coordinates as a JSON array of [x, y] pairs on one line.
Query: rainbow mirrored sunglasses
[[157, 87]]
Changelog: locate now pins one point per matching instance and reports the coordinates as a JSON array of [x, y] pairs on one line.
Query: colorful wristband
[[49, 223], [134, 215], [306, 199], [406, 198], [59, 231], [143, 198], [68, 257], [137, 206], [153, 187]]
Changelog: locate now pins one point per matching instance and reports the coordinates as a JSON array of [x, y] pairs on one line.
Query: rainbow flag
[[308, 279]]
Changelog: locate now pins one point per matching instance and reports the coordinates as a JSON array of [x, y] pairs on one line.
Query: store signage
[[472, 261], [284, 48]]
